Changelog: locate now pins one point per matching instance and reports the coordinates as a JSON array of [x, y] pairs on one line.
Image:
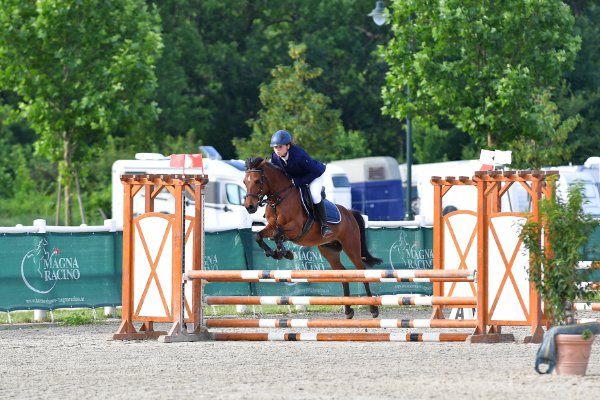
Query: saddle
[[333, 214]]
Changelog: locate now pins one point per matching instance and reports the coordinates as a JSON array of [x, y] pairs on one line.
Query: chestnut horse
[[286, 219]]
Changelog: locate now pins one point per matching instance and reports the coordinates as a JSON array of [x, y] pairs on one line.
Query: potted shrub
[[555, 243]]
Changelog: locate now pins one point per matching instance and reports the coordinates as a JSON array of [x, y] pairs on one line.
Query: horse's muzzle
[[251, 208]]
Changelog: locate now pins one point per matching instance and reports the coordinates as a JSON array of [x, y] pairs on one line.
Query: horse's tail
[[364, 251]]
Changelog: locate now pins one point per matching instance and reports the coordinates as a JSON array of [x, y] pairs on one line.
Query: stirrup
[[326, 231]]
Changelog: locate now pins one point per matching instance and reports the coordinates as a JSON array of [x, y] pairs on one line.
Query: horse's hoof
[[349, 313], [375, 312], [289, 255]]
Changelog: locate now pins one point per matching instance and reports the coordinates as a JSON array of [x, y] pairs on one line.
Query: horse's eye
[[257, 182]]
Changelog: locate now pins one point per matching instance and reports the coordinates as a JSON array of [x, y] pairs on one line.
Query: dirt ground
[[60, 362]]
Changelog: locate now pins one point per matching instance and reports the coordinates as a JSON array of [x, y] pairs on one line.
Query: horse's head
[[256, 184]]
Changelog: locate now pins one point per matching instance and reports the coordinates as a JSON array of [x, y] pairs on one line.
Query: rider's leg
[[315, 193], [325, 229]]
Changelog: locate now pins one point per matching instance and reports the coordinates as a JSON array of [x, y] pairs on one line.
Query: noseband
[[260, 195]]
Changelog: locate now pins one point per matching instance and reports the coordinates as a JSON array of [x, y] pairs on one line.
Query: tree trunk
[[79, 199], [67, 158], [58, 192], [68, 210], [490, 140]]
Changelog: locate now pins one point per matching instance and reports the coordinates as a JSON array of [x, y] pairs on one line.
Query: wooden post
[[438, 238], [482, 266], [127, 327]]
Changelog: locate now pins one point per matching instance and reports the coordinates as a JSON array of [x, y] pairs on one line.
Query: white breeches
[[315, 189]]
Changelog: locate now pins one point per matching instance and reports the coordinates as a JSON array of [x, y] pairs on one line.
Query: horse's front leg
[[279, 238], [259, 238]]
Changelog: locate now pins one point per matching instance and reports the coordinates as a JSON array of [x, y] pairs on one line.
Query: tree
[[480, 64], [581, 96], [82, 70], [290, 103], [218, 52], [550, 147]]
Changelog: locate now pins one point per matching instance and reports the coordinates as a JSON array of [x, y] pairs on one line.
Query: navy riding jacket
[[299, 166]]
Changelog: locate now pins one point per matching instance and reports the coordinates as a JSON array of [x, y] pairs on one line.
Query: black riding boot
[[325, 229]]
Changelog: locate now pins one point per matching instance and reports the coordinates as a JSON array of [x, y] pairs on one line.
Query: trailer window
[[340, 181], [210, 193], [376, 173], [235, 193], [589, 192]]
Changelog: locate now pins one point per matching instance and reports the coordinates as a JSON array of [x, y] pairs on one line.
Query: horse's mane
[[253, 162]]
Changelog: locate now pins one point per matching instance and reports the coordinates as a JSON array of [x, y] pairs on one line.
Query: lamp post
[[379, 18], [377, 13]]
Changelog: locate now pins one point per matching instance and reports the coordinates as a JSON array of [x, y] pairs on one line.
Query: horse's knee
[[257, 237]]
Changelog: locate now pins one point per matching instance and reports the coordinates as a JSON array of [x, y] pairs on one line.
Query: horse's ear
[[248, 162]]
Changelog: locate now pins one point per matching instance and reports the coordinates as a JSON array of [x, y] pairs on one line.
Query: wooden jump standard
[[488, 241], [154, 247]]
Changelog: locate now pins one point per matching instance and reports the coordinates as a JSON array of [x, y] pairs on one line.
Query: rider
[[303, 170]]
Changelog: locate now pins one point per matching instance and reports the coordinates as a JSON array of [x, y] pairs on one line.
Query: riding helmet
[[281, 137]]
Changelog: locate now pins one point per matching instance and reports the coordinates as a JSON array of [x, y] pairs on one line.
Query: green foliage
[[96, 179], [219, 52], [480, 64], [82, 70], [77, 318], [489, 65], [290, 103], [555, 256], [550, 144], [67, 316], [27, 181], [583, 94], [431, 143]]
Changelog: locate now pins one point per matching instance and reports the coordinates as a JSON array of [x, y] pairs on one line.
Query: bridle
[[272, 199], [260, 195]]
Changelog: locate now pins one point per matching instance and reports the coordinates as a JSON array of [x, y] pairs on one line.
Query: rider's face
[[281, 150]]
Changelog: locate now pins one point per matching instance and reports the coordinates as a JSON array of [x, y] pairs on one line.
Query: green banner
[[402, 248], [225, 251], [399, 248], [60, 270], [591, 250]]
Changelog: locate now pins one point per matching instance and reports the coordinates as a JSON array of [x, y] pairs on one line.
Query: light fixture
[[377, 13]]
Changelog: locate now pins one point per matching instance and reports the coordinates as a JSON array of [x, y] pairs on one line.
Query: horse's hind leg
[[353, 253], [331, 252], [374, 309]]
